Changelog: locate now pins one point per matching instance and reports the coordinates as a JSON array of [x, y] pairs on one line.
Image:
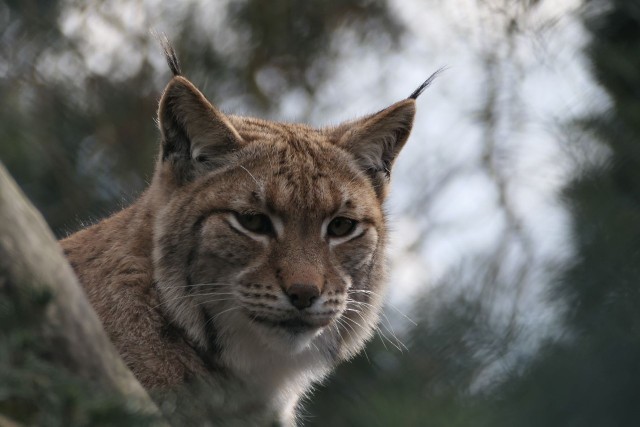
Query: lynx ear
[[196, 137], [376, 140]]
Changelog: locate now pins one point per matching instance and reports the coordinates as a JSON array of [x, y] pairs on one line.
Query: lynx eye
[[340, 227], [256, 223]]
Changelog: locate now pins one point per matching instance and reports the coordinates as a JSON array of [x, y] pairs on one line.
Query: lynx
[[255, 259]]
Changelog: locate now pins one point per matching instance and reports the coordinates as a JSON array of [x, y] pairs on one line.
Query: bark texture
[[31, 259]]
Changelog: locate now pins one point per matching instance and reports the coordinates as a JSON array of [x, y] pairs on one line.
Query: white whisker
[[212, 284], [215, 300], [388, 304], [398, 343], [223, 312], [252, 177], [181, 297]]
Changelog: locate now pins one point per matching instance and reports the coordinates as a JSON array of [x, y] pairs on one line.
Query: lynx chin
[[255, 259]]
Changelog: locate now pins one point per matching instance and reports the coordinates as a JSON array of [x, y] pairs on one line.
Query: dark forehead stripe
[[259, 131], [251, 129], [303, 180]]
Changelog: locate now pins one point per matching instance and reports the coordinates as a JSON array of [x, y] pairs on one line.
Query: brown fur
[[185, 290]]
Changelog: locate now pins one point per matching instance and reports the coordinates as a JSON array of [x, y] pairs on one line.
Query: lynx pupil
[[340, 227]]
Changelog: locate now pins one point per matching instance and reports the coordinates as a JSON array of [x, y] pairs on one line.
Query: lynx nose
[[302, 296]]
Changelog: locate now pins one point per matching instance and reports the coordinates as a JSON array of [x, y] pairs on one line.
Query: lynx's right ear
[[196, 137], [376, 140]]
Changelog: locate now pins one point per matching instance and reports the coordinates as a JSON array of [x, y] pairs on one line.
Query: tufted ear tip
[[416, 93], [169, 52]]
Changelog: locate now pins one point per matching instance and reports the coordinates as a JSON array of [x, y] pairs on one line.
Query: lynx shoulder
[[255, 259]]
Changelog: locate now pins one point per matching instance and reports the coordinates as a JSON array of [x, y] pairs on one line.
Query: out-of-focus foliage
[[593, 378]]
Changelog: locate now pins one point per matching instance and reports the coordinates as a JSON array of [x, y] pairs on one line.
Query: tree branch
[[32, 261]]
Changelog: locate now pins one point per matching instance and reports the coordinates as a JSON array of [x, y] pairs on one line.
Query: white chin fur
[[284, 341]]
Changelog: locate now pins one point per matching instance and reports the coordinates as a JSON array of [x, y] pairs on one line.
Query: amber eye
[[340, 227], [257, 223]]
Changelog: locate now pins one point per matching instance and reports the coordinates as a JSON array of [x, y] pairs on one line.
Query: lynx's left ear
[[196, 136], [376, 140]]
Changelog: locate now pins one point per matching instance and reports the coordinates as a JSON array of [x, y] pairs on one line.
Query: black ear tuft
[[416, 93], [169, 54]]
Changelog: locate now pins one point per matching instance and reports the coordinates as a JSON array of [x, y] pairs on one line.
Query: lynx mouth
[[294, 325]]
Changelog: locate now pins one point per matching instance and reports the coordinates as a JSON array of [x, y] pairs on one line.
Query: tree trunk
[[31, 260]]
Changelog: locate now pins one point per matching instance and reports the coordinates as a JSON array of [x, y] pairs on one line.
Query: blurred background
[[514, 296]]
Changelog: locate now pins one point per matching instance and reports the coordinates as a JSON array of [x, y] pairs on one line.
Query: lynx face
[[254, 262], [283, 238], [270, 243]]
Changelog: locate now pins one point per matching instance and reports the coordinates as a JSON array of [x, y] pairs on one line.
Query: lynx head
[[269, 232]]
